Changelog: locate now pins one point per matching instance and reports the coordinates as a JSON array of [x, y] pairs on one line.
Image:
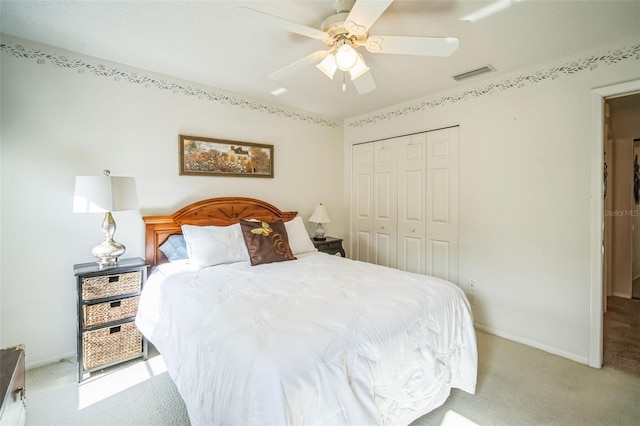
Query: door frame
[[596, 312]]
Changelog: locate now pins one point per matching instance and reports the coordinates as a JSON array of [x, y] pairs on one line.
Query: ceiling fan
[[343, 33]]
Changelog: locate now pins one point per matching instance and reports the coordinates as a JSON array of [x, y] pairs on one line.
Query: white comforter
[[320, 340]]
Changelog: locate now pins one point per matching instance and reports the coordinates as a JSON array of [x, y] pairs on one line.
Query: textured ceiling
[[208, 42]]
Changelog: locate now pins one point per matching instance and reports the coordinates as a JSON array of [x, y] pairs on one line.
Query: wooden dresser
[[12, 387]]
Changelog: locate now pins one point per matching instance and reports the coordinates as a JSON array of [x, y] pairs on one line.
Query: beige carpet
[[518, 385]]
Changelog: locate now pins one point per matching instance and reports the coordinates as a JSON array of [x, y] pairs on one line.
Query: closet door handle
[[413, 229], [381, 226]]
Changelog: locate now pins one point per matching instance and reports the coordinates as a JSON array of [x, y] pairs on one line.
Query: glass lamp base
[[108, 252], [319, 234]]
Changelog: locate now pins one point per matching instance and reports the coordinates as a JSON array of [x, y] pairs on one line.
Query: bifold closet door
[[412, 165], [442, 201], [362, 203], [405, 203], [385, 182]]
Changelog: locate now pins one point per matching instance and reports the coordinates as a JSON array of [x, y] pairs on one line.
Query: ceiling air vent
[[473, 73]]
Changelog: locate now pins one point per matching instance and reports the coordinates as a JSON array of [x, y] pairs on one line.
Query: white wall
[[60, 121], [525, 171], [621, 179]]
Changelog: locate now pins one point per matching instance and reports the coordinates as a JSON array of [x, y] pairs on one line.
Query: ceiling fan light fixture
[[345, 32], [359, 68], [328, 66], [346, 57]]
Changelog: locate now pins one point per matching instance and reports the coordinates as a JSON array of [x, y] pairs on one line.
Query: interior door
[[443, 193], [362, 202]]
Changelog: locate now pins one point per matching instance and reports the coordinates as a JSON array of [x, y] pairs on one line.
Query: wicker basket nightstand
[[107, 307]]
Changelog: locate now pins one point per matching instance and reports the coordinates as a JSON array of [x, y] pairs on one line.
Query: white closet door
[[362, 203], [411, 203], [384, 203], [443, 187]]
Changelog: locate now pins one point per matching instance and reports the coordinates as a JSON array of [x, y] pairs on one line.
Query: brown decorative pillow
[[266, 242]]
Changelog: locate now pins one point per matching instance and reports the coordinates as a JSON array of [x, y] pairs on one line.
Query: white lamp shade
[[96, 194], [328, 66], [320, 215], [359, 68]]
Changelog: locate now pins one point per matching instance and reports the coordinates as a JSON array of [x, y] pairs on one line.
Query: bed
[[312, 339]]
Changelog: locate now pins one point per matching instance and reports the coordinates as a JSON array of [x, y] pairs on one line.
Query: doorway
[[621, 196], [621, 330], [597, 288]]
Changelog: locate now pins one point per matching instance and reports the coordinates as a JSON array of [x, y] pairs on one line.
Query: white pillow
[[215, 245], [299, 240]]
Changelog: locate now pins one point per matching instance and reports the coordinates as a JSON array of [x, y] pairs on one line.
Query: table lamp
[[320, 216], [105, 194]]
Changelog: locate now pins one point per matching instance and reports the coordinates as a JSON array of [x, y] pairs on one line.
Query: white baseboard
[[573, 357], [72, 356]]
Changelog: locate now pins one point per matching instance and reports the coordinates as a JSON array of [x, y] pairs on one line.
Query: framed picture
[[216, 157]]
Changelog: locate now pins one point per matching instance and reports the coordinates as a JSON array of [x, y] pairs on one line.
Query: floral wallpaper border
[[590, 63], [42, 57], [587, 64]]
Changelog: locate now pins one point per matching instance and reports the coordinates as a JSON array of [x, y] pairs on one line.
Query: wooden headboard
[[215, 211]]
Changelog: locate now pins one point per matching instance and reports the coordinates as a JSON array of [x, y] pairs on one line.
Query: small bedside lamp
[[320, 216], [105, 194]]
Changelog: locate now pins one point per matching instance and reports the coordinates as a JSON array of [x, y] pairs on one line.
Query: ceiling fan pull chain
[[344, 82]]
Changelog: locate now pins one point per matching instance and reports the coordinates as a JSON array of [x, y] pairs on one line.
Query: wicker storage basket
[[108, 344], [111, 285], [114, 310]]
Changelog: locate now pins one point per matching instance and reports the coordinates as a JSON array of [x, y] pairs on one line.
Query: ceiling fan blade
[[426, 46], [300, 64], [364, 14], [283, 24], [364, 83]]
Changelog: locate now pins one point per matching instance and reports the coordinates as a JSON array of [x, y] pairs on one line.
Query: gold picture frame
[[201, 156]]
